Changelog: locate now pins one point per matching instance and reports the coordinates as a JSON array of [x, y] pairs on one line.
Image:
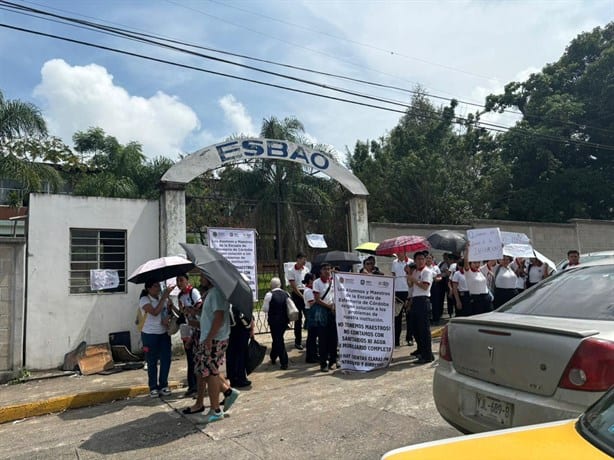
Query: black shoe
[[323, 368], [273, 361], [422, 360], [283, 367], [415, 353], [245, 384], [298, 346]]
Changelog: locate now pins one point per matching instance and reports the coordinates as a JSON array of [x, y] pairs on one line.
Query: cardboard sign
[[484, 244], [364, 310]]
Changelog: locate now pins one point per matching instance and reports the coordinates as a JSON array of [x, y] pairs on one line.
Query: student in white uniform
[[477, 284], [505, 282]]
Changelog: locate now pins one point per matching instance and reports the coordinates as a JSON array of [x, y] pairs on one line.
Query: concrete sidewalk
[[57, 391]]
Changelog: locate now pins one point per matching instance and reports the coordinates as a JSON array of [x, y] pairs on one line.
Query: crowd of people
[[213, 333]]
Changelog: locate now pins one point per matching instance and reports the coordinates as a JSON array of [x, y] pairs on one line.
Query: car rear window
[[583, 293]]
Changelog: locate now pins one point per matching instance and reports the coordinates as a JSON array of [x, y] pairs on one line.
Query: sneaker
[[154, 394], [298, 346], [332, 366], [166, 391], [213, 416], [410, 343], [230, 399], [323, 368]]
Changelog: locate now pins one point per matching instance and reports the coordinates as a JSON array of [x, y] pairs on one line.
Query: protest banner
[[484, 244], [364, 309], [238, 245]]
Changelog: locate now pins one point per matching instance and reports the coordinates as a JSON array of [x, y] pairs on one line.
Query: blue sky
[[461, 49]]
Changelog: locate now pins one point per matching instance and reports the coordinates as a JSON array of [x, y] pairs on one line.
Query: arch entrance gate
[[174, 181]]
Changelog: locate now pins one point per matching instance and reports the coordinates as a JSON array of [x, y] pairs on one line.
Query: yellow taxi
[[591, 437]]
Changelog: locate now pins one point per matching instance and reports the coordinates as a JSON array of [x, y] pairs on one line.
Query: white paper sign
[[519, 250], [238, 245], [484, 244], [103, 279], [514, 238], [315, 240], [364, 308]]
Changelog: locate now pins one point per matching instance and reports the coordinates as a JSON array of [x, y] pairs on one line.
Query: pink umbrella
[[405, 243]]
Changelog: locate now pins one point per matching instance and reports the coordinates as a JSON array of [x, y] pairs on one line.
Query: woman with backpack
[[190, 303]]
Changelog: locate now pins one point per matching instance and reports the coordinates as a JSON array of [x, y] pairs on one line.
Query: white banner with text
[[238, 245], [364, 308]]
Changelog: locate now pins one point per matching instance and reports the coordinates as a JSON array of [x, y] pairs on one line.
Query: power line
[[123, 31], [459, 120]]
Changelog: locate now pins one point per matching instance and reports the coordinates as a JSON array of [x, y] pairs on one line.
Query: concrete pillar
[[172, 219], [359, 221]]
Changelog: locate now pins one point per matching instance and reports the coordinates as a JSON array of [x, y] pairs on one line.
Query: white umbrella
[[160, 269], [544, 259]]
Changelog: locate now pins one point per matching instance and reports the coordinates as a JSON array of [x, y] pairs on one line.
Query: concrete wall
[[553, 240], [58, 321], [12, 285]]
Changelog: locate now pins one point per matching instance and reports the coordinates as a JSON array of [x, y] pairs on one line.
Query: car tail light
[[444, 346], [591, 367]]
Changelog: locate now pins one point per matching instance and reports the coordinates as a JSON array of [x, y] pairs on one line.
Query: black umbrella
[[447, 240], [255, 355], [161, 269], [223, 274], [336, 258]]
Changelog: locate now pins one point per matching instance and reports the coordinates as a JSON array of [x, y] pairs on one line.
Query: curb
[[61, 403]]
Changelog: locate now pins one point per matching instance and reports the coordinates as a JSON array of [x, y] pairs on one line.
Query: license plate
[[494, 409]]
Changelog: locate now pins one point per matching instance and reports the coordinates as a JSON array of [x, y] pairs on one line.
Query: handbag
[[173, 325], [293, 312], [255, 355]]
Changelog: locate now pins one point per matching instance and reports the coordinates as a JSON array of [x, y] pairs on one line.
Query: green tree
[[558, 168], [427, 171], [116, 170], [28, 153]]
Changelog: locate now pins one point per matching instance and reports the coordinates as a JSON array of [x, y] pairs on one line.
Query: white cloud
[[80, 97], [238, 117]]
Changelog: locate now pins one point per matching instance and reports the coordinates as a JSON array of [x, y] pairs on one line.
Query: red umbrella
[[405, 243]]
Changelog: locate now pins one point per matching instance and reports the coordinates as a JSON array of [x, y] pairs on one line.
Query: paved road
[[296, 414]]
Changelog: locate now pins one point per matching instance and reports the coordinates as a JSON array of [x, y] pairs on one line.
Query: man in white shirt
[[296, 275], [421, 280]]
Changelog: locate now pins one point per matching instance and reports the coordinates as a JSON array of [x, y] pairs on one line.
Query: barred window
[[92, 249]]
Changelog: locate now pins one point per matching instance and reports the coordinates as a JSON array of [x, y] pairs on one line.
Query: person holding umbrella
[[214, 334], [156, 341]]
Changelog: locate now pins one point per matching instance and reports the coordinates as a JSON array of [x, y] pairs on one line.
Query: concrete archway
[[172, 201]]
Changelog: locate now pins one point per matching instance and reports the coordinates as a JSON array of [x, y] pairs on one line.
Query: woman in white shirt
[[156, 341], [460, 291], [477, 284], [537, 272], [505, 282]]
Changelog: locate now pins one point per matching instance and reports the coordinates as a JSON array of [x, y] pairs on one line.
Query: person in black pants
[[237, 351], [274, 306], [296, 275], [421, 280]]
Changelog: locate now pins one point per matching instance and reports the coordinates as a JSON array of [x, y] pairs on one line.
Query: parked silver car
[[546, 355]]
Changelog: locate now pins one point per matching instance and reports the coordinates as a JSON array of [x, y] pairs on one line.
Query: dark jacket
[[278, 311]]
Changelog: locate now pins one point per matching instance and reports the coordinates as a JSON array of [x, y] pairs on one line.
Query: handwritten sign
[[364, 309], [103, 279], [315, 240], [519, 250], [514, 238], [484, 244], [238, 245]]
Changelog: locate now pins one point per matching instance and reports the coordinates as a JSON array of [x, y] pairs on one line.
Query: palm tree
[[277, 187], [25, 147]]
